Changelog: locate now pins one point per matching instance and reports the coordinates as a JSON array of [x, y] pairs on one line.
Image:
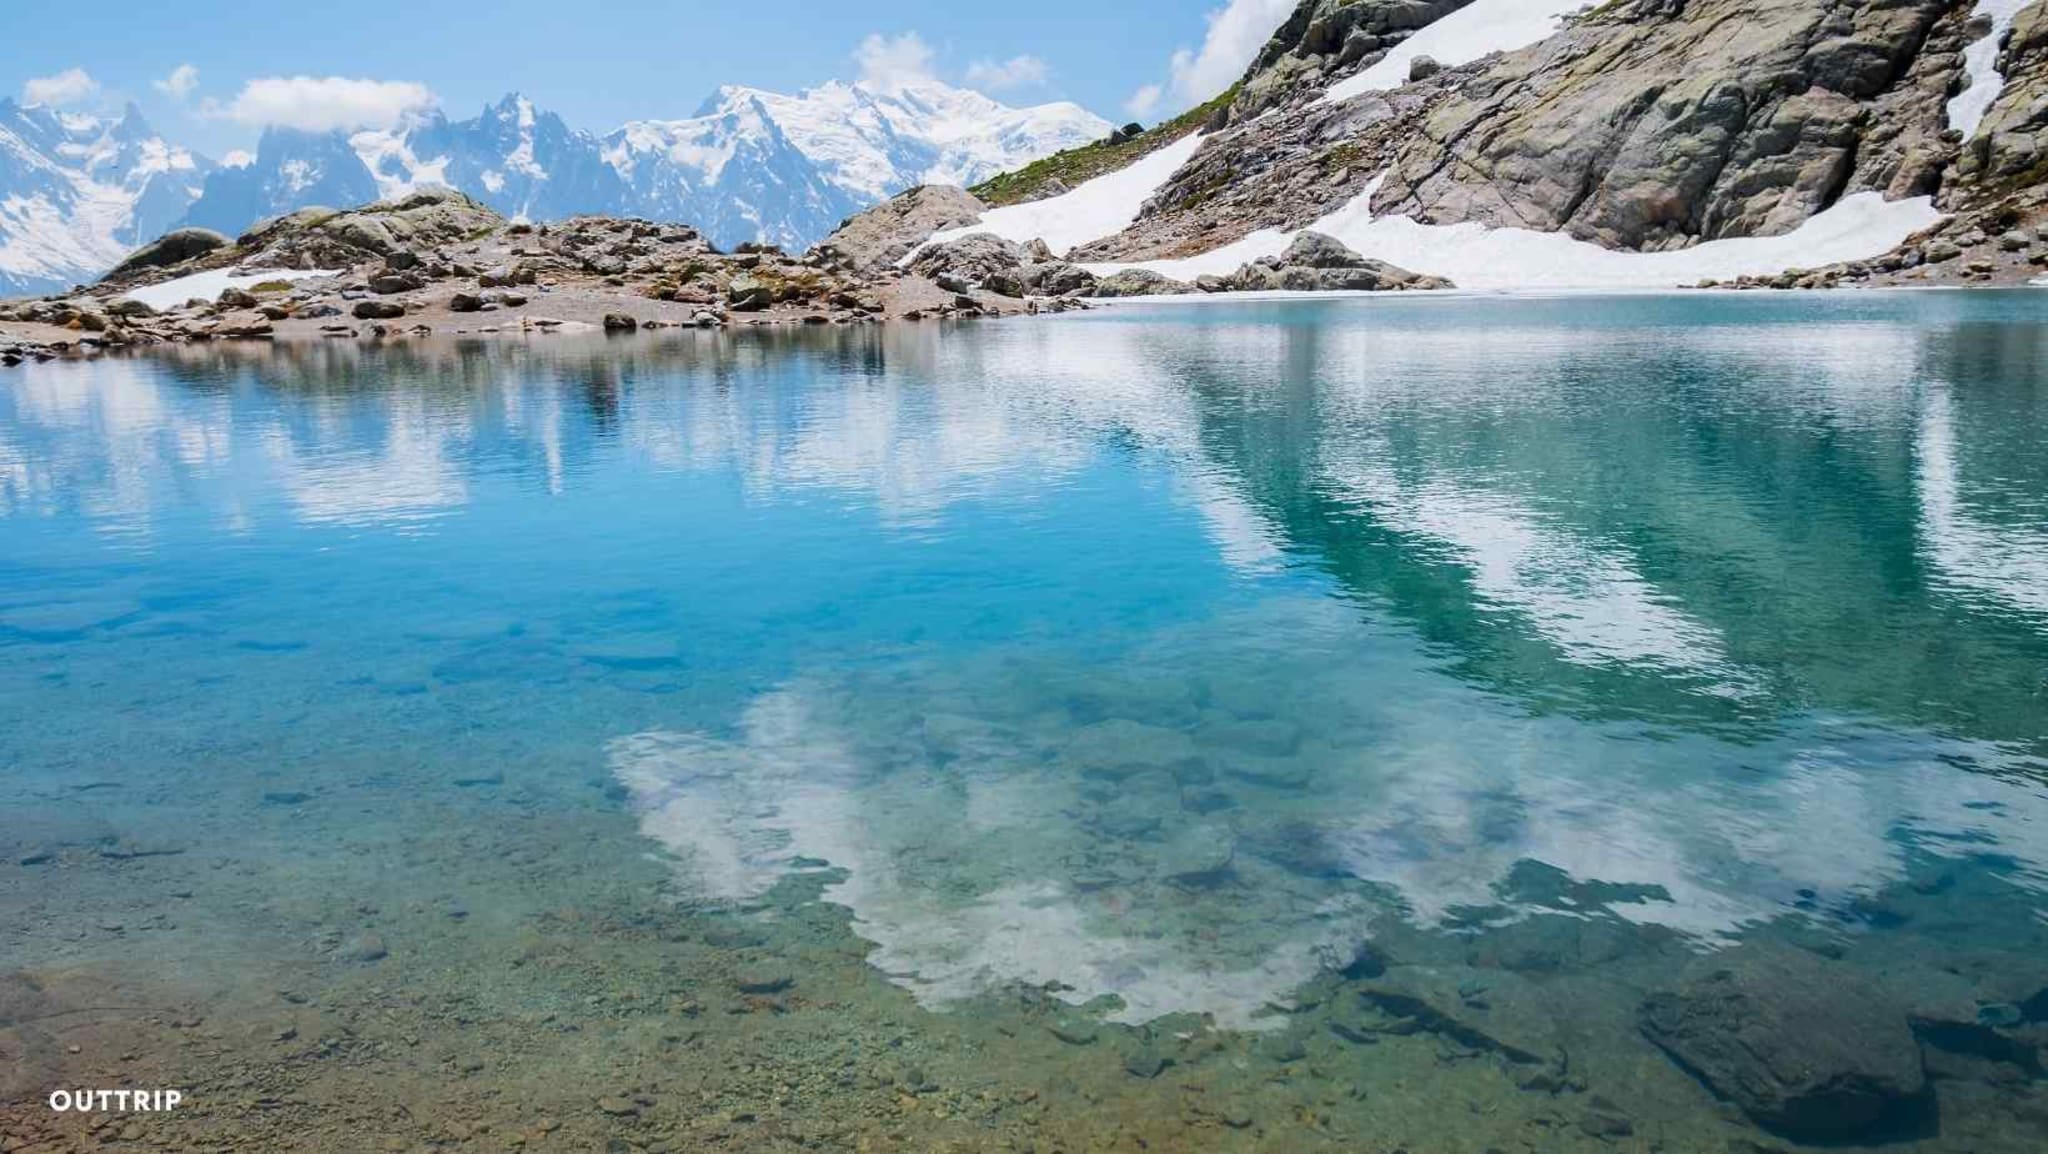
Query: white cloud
[[1142, 102], [888, 63], [180, 83], [321, 103], [1016, 72], [1236, 33], [67, 87], [238, 158]]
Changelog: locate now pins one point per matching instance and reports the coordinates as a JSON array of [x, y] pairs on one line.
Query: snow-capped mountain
[[750, 165], [78, 192], [519, 160], [292, 169], [760, 165]]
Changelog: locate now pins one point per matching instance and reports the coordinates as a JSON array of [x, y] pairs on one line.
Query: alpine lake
[[1469, 724]]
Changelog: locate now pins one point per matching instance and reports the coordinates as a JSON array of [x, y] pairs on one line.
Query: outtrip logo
[[117, 1101]]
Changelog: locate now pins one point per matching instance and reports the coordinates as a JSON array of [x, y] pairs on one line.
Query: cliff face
[[1654, 124], [1640, 124], [2009, 153], [1324, 41]]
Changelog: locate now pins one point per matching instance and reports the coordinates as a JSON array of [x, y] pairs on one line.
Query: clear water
[[1036, 735]]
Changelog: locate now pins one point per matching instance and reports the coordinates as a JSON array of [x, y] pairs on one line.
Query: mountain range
[[78, 192]]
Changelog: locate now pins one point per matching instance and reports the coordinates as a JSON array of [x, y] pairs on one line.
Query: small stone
[[1236, 1117], [762, 978], [378, 310], [617, 1106], [363, 948], [619, 323], [1282, 1048], [1145, 1063], [1073, 1031], [1606, 1124], [2001, 1015], [128, 849]]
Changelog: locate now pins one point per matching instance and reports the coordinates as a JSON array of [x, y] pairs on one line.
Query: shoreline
[[22, 342]]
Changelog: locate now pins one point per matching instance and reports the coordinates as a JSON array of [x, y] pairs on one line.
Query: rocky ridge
[[1640, 125], [437, 261]]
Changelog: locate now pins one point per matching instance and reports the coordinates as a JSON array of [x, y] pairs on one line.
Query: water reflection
[[1719, 614]]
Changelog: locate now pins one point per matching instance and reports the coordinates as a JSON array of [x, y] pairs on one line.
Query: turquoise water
[[1046, 699]]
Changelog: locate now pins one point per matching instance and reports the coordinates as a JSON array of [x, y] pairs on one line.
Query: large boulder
[[976, 256], [1138, 282], [322, 238], [1056, 278], [1803, 1046], [174, 247], [885, 234], [1315, 262]]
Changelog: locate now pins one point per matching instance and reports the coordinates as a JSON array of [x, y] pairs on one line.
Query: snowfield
[[1477, 257], [1098, 208], [1478, 29], [208, 285], [1980, 59]]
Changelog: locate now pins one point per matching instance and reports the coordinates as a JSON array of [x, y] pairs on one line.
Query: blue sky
[[210, 74]]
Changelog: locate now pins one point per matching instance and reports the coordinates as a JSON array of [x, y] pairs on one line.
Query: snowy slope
[[1097, 208], [77, 192], [1479, 28], [1476, 257], [1966, 109]]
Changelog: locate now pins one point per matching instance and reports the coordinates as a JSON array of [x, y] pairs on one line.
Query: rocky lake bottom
[[1478, 724]]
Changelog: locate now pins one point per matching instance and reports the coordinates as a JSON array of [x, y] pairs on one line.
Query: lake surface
[[1278, 726]]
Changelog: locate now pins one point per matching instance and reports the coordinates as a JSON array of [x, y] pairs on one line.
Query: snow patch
[[1478, 29], [1098, 208], [208, 285], [1980, 60], [398, 171], [1477, 257]]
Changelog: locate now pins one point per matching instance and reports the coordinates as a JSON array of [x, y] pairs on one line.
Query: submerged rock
[[1145, 1063], [1118, 748], [1803, 1046], [1073, 1031], [763, 978]]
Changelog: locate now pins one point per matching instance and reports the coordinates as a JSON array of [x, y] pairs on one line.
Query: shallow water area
[[1500, 723]]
